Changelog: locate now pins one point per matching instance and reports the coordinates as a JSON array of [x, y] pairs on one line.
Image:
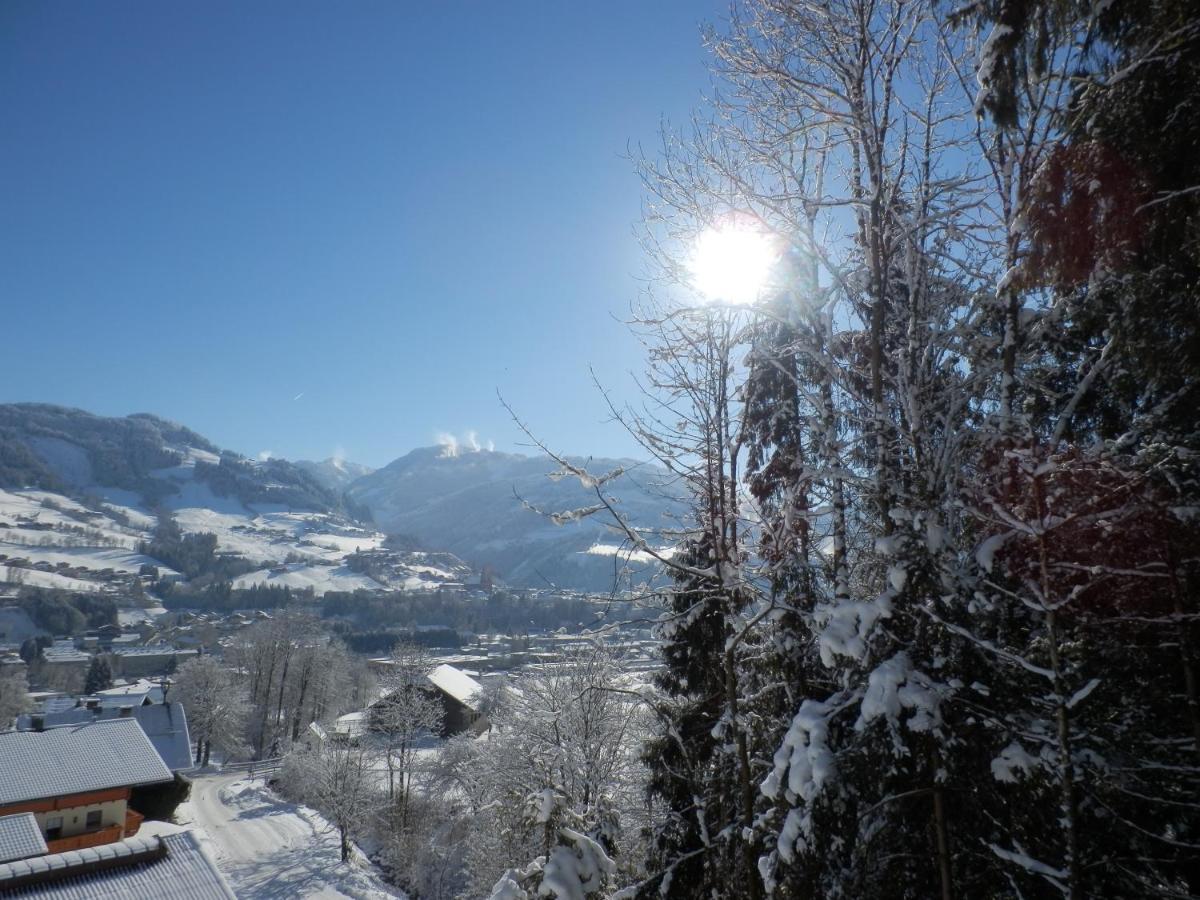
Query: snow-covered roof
[[20, 837], [64, 651], [136, 691], [457, 684], [351, 725], [173, 865], [165, 724], [76, 759], [153, 650]]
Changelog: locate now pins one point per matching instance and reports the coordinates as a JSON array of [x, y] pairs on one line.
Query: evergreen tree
[[99, 676], [688, 779]]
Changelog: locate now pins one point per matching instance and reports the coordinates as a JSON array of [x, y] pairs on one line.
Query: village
[[121, 770]]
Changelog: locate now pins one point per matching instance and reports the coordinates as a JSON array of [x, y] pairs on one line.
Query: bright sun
[[731, 262]]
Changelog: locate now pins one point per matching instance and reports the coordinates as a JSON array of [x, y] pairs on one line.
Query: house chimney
[[93, 703], [126, 712], [38, 723]]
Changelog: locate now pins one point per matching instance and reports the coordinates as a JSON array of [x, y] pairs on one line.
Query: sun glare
[[732, 262]]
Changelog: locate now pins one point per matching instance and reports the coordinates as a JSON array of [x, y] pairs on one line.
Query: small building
[[77, 780], [350, 727], [458, 692], [315, 737], [63, 652], [173, 865], [137, 693], [156, 659], [460, 695]]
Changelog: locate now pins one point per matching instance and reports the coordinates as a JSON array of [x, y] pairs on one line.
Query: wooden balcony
[[133, 821], [109, 835]]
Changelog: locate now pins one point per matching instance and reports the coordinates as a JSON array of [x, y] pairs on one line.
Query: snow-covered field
[[97, 558], [57, 532], [319, 578], [269, 848], [34, 578]]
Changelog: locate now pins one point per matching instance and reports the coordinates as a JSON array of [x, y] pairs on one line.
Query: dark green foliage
[[121, 452], [99, 676], [66, 613], [21, 468], [158, 802], [221, 597], [31, 648], [690, 779], [188, 554], [268, 481], [380, 643]]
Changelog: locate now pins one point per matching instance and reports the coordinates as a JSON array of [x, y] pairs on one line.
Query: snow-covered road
[[269, 848]]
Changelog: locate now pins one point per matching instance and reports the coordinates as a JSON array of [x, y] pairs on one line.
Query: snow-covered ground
[[319, 578], [97, 558], [269, 848], [34, 578], [55, 531]]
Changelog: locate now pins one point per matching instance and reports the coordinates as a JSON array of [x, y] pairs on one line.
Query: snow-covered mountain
[[151, 459], [311, 524], [473, 503], [334, 473], [79, 494]]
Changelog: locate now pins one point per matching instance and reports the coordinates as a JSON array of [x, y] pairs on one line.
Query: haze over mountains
[[467, 501]]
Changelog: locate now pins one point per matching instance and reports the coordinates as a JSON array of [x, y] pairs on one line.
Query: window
[[53, 828], [93, 818]]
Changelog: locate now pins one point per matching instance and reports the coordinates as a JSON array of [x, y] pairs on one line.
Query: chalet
[[173, 865], [165, 724], [77, 780], [460, 695], [458, 692]]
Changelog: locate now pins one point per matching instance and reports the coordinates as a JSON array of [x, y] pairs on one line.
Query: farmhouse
[[458, 692], [77, 780], [460, 695]]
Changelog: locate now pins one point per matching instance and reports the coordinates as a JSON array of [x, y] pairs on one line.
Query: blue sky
[[308, 227]]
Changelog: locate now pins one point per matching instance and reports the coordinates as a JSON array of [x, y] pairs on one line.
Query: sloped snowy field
[[51, 529]]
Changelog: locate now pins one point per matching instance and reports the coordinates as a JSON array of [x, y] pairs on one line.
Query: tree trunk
[[943, 849]]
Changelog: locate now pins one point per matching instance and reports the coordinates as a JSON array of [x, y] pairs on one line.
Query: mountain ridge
[[471, 502]]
